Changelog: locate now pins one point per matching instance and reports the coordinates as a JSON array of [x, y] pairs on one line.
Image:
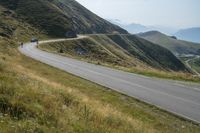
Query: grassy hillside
[[150, 53], [40, 14], [195, 64], [178, 47], [59, 18], [122, 50], [84, 21], [35, 97], [11, 26]]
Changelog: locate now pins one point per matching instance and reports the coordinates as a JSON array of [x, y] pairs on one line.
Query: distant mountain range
[[139, 28], [191, 34]]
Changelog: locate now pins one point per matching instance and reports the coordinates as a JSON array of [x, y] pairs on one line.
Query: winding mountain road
[[180, 98], [189, 66]]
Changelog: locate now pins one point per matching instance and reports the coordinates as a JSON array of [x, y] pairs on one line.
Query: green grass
[[152, 54], [39, 12], [195, 64]]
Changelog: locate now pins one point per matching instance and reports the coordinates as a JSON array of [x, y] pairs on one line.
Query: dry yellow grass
[[103, 110]]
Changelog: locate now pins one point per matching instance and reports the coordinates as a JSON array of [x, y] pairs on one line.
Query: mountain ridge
[[176, 46], [63, 17]]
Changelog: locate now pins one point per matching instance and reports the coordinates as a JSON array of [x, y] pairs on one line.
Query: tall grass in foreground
[[30, 105]]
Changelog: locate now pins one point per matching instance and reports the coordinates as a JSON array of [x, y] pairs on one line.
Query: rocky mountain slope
[[60, 18]]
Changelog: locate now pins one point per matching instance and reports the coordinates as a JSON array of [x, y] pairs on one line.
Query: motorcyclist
[[22, 44]]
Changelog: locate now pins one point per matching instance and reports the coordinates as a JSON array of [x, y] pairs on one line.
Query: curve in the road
[[189, 66], [176, 97]]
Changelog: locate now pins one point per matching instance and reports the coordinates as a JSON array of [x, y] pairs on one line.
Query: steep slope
[[178, 47], [148, 52], [60, 18], [191, 34], [13, 30], [84, 21], [40, 14], [122, 50]]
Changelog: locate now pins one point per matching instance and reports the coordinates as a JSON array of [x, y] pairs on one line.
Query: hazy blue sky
[[171, 13]]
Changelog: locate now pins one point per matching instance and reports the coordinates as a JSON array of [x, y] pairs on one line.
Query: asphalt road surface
[[180, 98]]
